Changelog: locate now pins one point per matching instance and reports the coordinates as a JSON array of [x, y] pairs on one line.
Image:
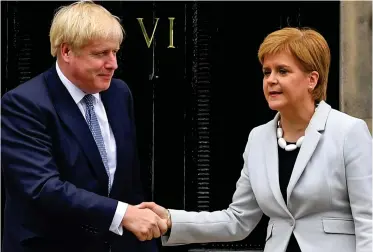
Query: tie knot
[[89, 99]]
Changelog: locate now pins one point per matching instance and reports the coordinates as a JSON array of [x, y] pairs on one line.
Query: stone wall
[[356, 59]]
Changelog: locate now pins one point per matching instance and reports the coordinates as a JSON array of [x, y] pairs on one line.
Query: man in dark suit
[[69, 149]]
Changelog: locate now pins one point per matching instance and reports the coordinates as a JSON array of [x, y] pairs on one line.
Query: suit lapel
[[271, 157], [113, 100], [311, 139], [71, 116]]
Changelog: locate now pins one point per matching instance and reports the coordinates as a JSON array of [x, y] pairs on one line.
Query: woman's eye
[[283, 71]]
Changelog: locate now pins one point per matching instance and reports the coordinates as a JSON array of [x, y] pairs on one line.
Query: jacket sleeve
[[358, 164], [232, 224]]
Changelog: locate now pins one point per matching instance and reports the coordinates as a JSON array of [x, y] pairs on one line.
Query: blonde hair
[[81, 22], [310, 49]]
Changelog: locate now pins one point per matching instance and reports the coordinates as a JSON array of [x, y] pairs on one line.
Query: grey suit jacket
[[329, 194]]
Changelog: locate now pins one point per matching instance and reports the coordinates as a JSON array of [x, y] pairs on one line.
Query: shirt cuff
[[116, 224]]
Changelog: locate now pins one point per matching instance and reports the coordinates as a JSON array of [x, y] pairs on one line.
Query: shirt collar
[[76, 93]]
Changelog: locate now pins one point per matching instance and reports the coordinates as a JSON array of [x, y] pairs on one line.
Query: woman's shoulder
[[341, 120], [345, 127], [262, 130]]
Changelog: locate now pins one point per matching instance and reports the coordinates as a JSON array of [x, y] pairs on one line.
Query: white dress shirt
[[108, 137]]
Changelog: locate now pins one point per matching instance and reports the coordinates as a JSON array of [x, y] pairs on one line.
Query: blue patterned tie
[[94, 126]]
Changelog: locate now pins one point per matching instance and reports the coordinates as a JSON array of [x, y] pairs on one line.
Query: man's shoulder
[[31, 89], [119, 88], [120, 85]]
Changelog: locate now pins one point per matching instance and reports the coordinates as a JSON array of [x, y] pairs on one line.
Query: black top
[[285, 168]]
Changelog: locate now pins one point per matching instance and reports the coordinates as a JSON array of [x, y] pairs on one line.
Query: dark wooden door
[[195, 104]]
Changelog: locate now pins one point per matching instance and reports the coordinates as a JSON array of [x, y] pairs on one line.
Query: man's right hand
[[144, 223], [159, 210]]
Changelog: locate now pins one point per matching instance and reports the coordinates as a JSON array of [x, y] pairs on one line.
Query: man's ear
[[65, 51]]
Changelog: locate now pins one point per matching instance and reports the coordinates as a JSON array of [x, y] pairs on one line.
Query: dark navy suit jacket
[[56, 183]]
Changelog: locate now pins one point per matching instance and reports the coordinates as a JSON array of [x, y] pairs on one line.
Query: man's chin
[[104, 85]]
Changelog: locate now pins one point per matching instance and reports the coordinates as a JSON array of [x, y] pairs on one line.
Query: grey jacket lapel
[[271, 157], [311, 139]]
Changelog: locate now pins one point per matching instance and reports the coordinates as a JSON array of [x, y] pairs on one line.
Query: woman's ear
[[314, 78]]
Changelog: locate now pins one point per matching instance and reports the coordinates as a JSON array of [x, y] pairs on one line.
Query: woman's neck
[[295, 121]]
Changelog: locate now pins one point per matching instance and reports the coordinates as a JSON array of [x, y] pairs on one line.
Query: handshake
[[147, 220]]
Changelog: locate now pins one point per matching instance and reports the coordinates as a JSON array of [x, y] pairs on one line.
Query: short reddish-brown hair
[[310, 49]]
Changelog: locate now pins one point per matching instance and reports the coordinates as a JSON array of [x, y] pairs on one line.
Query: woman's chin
[[275, 105]]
